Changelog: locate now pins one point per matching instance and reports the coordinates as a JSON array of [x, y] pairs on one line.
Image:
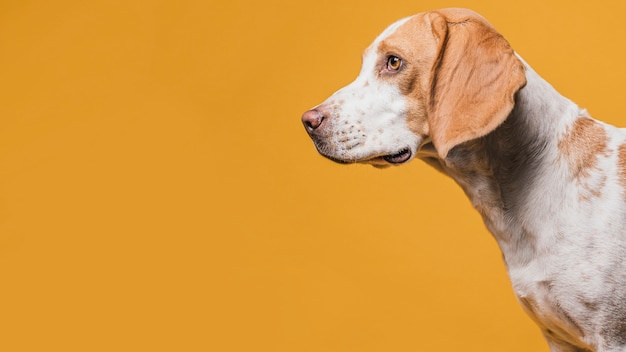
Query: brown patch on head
[[581, 146], [459, 75], [414, 43]]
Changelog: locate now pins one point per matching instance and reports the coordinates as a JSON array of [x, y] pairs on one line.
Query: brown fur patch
[[459, 75], [581, 146], [415, 45], [474, 81], [621, 163], [589, 192]]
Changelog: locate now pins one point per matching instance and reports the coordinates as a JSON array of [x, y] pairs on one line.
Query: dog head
[[428, 82]]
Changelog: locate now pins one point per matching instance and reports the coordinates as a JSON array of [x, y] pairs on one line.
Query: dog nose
[[312, 120]]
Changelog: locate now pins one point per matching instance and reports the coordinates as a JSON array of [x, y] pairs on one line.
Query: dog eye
[[394, 63]]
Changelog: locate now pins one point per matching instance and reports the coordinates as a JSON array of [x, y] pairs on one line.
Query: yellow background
[[158, 192]]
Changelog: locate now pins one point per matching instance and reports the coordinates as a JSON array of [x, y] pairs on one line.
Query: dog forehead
[[405, 37], [392, 29], [371, 52], [413, 32]]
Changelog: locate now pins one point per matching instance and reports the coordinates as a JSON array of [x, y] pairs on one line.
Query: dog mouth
[[402, 156], [398, 158]]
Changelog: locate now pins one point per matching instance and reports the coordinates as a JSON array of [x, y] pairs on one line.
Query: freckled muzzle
[[344, 142]]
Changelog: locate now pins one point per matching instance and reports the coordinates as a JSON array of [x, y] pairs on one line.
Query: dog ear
[[472, 82]]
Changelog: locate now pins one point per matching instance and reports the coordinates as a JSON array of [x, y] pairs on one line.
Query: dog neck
[[499, 171]]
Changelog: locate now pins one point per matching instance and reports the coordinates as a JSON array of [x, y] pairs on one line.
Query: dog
[[549, 181]]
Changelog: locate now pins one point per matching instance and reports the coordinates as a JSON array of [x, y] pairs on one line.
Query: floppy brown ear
[[473, 81]]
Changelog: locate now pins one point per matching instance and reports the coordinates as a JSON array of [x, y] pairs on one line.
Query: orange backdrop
[[158, 192]]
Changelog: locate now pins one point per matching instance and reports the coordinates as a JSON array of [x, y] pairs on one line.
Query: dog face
[[366, 121], [444, 77]]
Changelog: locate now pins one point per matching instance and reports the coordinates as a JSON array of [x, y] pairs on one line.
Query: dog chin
[[403, 156]]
